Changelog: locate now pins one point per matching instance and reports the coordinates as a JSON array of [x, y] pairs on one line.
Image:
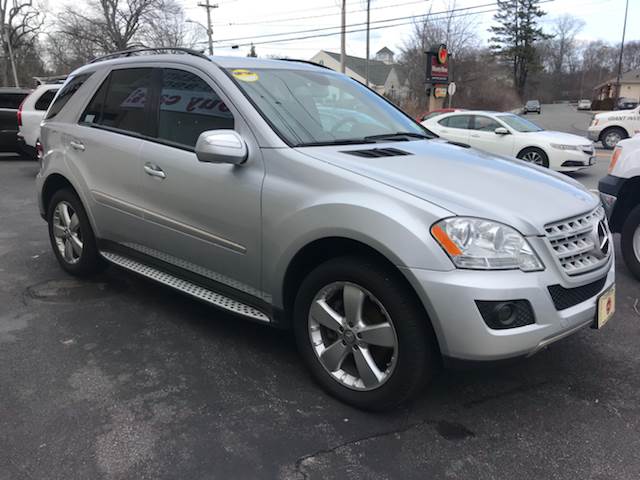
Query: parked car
[[383, 247], [532, 106], [584, 104], [511, 135], [10, 100], [611, 127], [620, 194], [30, 114], [436, 112], [627, 103]]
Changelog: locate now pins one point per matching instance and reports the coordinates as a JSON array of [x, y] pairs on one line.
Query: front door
[[203, 217], [483, 136]]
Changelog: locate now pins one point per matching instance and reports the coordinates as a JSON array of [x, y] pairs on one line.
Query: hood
[[616, 114], [561, 137], [469, 182]]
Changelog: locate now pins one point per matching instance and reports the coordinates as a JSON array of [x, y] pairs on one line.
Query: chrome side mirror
[[501, 131], [221, 146]]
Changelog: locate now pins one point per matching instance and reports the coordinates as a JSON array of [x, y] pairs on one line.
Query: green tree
[[514, 38]]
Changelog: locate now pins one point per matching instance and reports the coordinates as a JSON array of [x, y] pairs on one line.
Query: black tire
[[630, 228], [608, 134], [533, 150], [416, 345], [89, 262]]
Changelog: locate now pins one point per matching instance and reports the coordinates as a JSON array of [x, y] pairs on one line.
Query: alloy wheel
[[66, 232], [352, 336], [612, 139], [533, 157]]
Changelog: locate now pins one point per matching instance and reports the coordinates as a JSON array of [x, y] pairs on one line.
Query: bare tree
[[20, 23], [168, 27], [110, 25], [562, 46]]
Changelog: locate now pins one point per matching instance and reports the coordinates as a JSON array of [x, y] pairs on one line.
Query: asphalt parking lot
[[120, 378]]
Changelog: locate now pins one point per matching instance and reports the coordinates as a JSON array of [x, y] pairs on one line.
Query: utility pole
[[5, 29], [624, 31], [366, 70], [343, 35], [208, 6]]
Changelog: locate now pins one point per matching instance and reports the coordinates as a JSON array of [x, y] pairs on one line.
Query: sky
[[238, 22]]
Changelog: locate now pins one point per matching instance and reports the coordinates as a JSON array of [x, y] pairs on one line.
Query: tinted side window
[[45, 100], [66, 92], [11, 100], [485, 124], [93, 111], [124, 105], [456, 121], [188, 107]]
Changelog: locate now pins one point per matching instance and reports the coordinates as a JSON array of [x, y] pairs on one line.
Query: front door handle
[[154, 170], [76, 145], [475, 136]]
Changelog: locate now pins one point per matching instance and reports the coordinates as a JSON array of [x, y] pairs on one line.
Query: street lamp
[[209, 33]]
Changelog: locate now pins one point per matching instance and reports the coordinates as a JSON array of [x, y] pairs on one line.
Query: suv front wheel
[[71, 235], [364, 337]]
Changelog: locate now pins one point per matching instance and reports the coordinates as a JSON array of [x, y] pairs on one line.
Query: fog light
[[506, 314]]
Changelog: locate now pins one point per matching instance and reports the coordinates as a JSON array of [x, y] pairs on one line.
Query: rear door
[[105, 147], [455, 128], [9, 103], [483, 137]]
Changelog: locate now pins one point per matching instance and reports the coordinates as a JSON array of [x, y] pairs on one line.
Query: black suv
[[10, 100], [532, 106]]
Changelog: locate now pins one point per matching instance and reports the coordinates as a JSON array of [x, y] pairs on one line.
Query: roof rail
[[138, 51], [309, 62]]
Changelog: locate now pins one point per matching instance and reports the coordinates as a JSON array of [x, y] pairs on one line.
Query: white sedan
[[510, 135]]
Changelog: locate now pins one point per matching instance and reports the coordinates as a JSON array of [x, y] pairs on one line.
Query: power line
[[320, 29], [320, 35], [281, 20]]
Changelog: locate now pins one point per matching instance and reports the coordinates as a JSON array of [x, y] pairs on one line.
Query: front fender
[[400, 234]]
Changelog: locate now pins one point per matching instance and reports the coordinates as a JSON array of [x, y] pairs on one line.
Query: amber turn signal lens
[[443, 239], [614, 159]]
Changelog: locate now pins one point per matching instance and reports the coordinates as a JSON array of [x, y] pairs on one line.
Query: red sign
[[438, 65], [443, 55]]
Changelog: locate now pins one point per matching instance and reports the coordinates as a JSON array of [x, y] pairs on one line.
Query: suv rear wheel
[[365, 339], [630, 241], [71, 235]]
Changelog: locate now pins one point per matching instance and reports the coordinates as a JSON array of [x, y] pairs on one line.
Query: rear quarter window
[[66, 92], [11, 100], [45, 100]]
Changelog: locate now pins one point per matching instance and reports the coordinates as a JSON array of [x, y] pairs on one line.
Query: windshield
[[520, 124], [323, 108]]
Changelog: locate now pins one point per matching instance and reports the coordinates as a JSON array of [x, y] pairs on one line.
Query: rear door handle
[[154, 170], [76, 145]]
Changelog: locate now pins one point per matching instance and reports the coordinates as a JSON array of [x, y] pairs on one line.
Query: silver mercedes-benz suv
[[292, 195]]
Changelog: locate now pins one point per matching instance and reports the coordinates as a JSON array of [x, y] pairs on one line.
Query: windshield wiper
[[384, 136], [335, 142]]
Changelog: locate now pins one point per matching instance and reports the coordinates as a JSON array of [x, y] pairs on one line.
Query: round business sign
[[443, 54]]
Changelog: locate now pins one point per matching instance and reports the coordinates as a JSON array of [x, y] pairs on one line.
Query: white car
[[584, 104], [611, 127], [510, 135], [30, 113]]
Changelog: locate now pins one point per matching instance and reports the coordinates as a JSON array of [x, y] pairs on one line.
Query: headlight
[[477, 244], [564, 147]]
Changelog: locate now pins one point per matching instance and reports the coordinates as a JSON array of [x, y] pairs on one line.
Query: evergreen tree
[[252, 52], [514, 39]]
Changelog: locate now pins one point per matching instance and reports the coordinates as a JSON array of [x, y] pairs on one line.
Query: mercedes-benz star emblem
[[601, 239]]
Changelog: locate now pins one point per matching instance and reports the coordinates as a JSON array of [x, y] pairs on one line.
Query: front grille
[[581, 244], [568, 297]]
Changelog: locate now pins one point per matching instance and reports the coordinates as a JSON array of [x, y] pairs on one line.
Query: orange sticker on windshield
[[245, 75]]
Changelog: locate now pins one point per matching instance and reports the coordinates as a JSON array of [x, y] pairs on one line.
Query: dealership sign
[[438, 65]]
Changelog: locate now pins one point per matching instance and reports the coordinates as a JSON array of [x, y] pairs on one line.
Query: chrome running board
[[186, 286]]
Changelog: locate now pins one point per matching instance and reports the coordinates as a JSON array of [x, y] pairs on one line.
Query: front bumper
[[572, 160], [594, 135], [450, 298]]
